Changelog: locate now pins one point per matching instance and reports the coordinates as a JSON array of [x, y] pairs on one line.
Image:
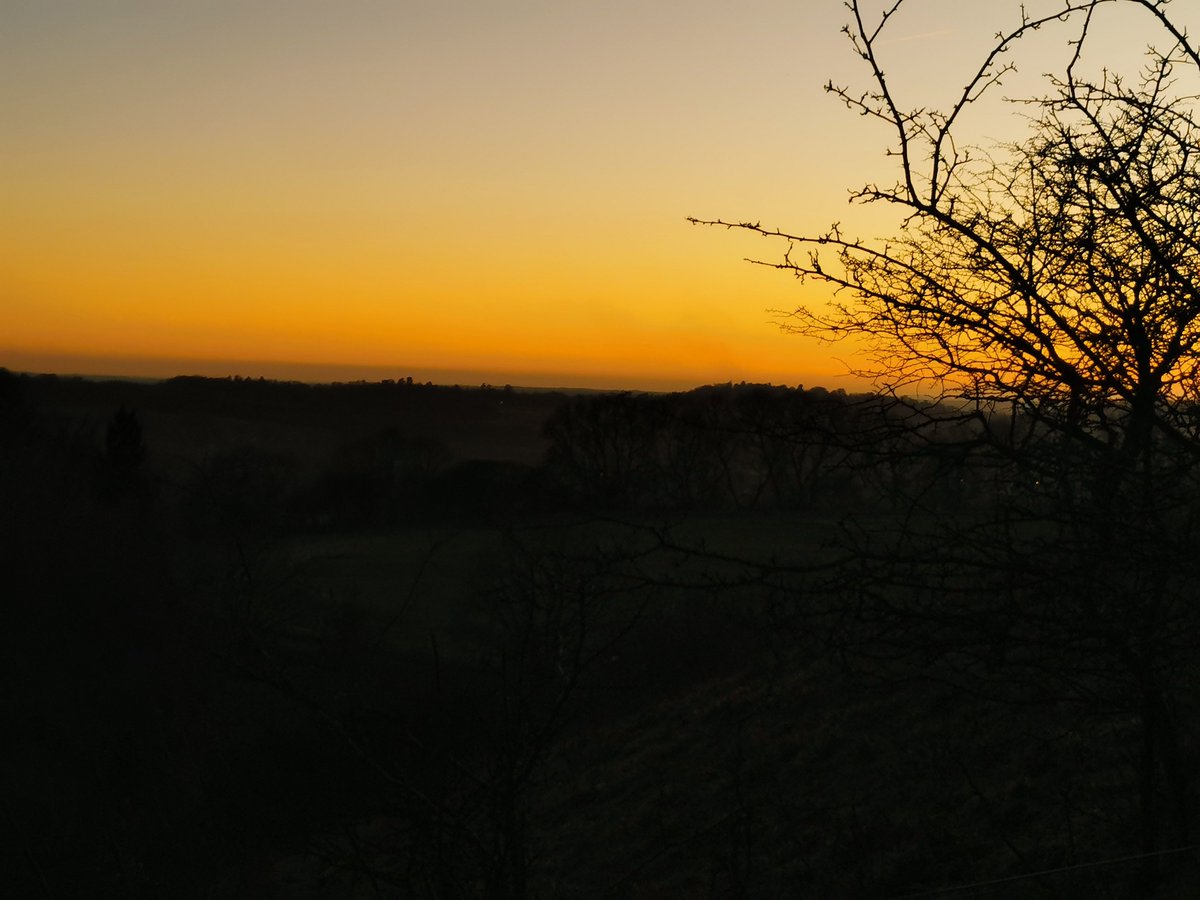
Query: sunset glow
[[458, 191]]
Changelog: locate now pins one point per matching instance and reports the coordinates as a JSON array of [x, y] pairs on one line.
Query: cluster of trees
[[288, 456], [753, 446], [716, 448]]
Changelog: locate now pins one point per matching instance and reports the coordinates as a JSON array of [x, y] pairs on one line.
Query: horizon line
[[118, 367]]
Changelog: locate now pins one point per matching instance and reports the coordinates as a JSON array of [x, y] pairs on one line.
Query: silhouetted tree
[[1045, 292], [15, 411], [603, 448], [124, 448], [124, 456]]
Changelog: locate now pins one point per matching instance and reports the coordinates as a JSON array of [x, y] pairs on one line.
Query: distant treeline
[[741, 446], [335, 406], [290, 456]]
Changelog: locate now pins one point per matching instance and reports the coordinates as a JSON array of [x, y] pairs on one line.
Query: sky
[[462, 191]]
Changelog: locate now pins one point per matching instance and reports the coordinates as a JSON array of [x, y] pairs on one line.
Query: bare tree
[[1045, 290]]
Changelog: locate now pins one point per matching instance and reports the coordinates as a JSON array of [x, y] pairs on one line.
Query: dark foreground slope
[[265, 641]]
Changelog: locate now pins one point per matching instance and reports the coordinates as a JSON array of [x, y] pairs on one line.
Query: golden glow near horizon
[[430, 186]]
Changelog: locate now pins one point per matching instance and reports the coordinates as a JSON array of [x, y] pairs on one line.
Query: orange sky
[[457, 190]]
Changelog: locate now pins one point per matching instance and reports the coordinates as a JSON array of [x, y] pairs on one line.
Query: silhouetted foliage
[[16, 412], [124, 449], [749, 447], [122, 462]]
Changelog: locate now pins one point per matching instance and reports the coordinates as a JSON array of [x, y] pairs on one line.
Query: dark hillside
[[275, 640]]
